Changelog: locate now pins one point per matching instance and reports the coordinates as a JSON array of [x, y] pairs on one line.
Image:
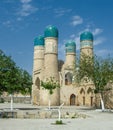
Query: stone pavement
[[104, 122], [97, 120]]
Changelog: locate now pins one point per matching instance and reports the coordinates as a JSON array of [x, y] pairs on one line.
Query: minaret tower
[[51, 64], [38, 65], [86, 44], [67, 69], [70, 54]]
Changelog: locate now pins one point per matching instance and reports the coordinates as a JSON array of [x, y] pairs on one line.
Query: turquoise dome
[[70, 47], [39, 41], [86, 36], [51, 31]]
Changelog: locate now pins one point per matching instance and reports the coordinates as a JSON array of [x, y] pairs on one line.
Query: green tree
[[50, 84], [8, 73], [12, 78], [26, 82], [2, 71], [99, 70]]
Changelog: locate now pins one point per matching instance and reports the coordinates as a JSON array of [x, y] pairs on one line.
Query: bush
[[4, 115], [1, 100], [59, 122]]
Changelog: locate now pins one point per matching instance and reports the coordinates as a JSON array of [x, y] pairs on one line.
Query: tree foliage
[[102, 73], [26, 82], [12, 78], [99, 70], [50, 84]]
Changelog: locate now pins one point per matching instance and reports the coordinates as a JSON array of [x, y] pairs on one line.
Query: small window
[[68, 78]]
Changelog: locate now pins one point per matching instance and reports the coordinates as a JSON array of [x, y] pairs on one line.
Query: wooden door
[[72, 99]]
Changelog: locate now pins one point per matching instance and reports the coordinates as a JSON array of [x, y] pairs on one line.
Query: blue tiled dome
[[86, 36], [39, 41], [51, 31], [70, 46]]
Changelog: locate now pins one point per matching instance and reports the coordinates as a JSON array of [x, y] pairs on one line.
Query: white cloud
[[26, 8], [99, 40], [60, 12], [25, 1], [7, 22], [19, 19], [97, 31], [72, 36], [103, 52], [76, 20], [46, 8]]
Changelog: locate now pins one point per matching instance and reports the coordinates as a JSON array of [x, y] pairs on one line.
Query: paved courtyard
[[96, 120]]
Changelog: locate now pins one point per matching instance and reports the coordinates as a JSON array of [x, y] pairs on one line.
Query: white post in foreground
[[102, 103], [59, 112], [49, 104], [11, 105]]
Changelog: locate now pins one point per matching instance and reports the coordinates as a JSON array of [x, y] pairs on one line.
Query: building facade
[[45, 65]]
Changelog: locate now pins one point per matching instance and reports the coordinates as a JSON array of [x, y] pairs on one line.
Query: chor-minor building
[[45, 65]]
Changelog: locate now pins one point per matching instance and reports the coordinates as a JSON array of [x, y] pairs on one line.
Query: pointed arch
[[89, 90], [82, 91], [72, 99]]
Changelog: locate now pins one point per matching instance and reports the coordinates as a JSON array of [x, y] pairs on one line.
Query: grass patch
[[58, 123]]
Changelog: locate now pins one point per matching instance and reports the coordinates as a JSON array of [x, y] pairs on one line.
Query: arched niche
[[82, 91], [68, 78], [89, 91], [37, 83]]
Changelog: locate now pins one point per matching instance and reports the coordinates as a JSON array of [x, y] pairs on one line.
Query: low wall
[[40, 114], [16, 99]]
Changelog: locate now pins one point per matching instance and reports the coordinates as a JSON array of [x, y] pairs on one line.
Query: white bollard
[[59, 112], [11, 102]]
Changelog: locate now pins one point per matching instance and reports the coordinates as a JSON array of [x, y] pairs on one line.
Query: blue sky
[[22, 20]]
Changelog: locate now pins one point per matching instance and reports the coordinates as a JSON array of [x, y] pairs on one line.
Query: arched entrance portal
[[72, 99]]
